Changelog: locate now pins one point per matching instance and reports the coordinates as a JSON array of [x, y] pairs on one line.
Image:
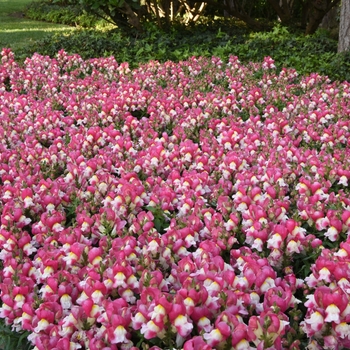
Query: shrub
[[73, 15], [306, 54], [176, 44]]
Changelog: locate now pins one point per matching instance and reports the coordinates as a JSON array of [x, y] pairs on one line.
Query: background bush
[[307, 54], [73, 15]]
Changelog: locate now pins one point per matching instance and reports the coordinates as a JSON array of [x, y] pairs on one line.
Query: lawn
[[17, 31]]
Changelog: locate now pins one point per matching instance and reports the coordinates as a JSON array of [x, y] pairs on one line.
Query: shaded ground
[[18, 14]]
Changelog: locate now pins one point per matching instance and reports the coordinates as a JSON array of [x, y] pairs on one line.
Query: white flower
[[154, 161], [258, 244], [28, 202], [119, 335], [211, 286], [325, 275], [128, 296], [316, 321], [24, 220], [57, 227], [70, 258], [48, 272], [332, 313], [204, 323], [343, 329], [268, 283], [83, 296], [293, 247], [275, 241], [343, 181], [183, 326], [150, 326], [332, 234], [153, 247], [158, 313], [66, 301], [19, 299], [119, 280], [29, 249], [7, 195], [42, 325], [213, 337]]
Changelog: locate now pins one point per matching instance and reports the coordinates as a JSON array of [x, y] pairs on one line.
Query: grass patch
[[17, 31]]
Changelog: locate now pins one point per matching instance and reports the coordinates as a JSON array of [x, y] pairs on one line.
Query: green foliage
[[72, 15], [340, 67], [10, 340], [176, 44], [161, 221], [307, 54], [88, 43], [71, 211]]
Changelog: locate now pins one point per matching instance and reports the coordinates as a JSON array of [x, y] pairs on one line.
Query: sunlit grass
[[33, 30], [17, 31]]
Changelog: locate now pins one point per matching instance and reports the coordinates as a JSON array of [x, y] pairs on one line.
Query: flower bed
[[197, 205]]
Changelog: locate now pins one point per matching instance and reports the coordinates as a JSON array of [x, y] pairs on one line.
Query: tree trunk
[[344, 27], [330, 19], [234, 8], [304, 14], [317, 10], [132, 17], [282, 10]]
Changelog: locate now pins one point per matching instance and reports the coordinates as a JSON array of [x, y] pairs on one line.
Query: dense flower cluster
[[197, 205]]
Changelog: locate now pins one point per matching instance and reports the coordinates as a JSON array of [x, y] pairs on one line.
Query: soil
[[17, 14]]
